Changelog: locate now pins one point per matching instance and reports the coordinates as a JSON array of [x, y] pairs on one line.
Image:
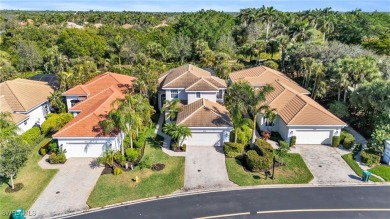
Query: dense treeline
[[337, 56]]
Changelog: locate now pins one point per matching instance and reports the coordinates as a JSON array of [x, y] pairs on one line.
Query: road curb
[[182, 193]]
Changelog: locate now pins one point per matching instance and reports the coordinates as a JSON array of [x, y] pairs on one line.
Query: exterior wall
[[283, 129], [89, 147], [212, 96], [37, 116], [182, 94], [261, 122], [70, 98]]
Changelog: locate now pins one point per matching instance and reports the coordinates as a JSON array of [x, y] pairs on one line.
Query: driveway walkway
[[205, 168], [326, 165], [69, 189]]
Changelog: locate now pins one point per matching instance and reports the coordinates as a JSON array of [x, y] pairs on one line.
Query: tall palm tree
[[184, 132], [56, 102], [238, 121], [271, 115], [115, 123], [267, 14], [256, 105], [178, 132]]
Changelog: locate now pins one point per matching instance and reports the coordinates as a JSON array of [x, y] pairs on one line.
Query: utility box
[[386, 154]]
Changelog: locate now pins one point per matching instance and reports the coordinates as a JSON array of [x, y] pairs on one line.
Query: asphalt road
[[269, 203]]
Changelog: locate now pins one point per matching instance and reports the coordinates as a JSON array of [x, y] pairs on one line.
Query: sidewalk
[[167, 140]]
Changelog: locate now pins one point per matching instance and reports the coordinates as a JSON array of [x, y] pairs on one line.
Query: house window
[[219, 94], [73, 102], [198, 95], [174, 94]]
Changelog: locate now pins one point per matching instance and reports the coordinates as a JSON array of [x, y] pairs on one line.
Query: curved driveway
[[311, 202]]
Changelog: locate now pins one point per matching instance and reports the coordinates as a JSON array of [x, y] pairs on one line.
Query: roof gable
[[202, 85]]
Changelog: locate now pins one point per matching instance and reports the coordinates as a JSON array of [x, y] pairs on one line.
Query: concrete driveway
[[326, 165], [205, 168], [69, 189]]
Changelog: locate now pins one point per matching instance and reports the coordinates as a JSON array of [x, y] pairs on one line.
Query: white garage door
[[313, 136], [84, 150], [205, 139]]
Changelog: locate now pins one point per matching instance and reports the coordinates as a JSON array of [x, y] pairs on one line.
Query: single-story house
[[26, 100], [201, 95], [90, 103], [297, 114]]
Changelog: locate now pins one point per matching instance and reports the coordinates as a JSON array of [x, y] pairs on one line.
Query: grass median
[[348, 158], [294, 172], [112, 189]]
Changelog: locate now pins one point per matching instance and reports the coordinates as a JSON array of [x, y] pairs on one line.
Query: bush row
[[55, 122], [32, 136], [233, 149], [261, 157], [369, 158]]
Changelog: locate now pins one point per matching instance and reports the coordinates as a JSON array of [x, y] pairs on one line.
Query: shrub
[[42, 151], [57, 158], [369, 158], [335, 141], [262, 147], [131, 154], [119, 158], [244, 134], [140, 141], [233, 149], [271, 64], [283, 144], [184, 147], [349, 141], [146, 162], [53, 146], [32, 135], [117, 171], [55, 122], [255, 162], [342, 136], [293, 140]]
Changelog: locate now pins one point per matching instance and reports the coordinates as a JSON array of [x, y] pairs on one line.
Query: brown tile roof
[[186, 75], [261, 75], [23, 95], [202, 85], [295, 108], [111, 86], [16, 117], [204, 113]]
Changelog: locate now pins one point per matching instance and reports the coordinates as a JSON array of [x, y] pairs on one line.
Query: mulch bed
[[18, 186], [158, 166]]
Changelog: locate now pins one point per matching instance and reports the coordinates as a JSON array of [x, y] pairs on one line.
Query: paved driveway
[[205, 168], [327, 165], [69, 189]]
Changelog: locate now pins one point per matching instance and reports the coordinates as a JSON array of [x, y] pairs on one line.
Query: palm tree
[[238, 121], [107, 158], [170, 109], [178, 132], [184, 132], [256, 105], [115, 123], [55, 100], [271, 115], [268, 15], [327, 26]]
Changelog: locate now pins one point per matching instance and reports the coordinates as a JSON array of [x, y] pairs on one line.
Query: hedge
[[233, 149], [349, 141], [262, 147], [256, 163], [243, 135], [369, 158], [32, 136], [55, 122], [335, 141], [283, 144], [293, 140]]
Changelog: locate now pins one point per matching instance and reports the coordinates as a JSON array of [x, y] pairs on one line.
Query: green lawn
[[382, 171], [112, 189], [356, 168], [295, 171], [34, 180]]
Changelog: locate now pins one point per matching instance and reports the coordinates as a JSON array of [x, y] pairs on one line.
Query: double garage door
[[84, 150], [205, 139], [313, 136]]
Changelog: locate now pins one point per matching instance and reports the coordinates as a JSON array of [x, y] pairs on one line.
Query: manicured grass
[[34, 179], [356, 168], [295, 171], [382, 171], [112, 189]]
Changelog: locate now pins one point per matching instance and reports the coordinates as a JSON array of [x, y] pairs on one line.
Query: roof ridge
[[13, 93], [209, 83], [88, 114], [177, 77], [199, 79], [192, 112], [299, 112], [82, 86]]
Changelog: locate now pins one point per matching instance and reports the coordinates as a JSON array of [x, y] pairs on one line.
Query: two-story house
[[297, 114], [90, 103], [201, 95]]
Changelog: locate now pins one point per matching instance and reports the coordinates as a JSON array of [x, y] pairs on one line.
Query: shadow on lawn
[[155, 142]]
